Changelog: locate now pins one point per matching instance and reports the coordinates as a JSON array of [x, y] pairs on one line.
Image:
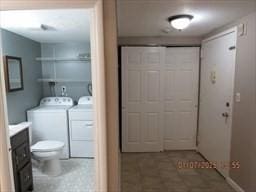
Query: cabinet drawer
[[20, 138], [25, 178], [81, 116], [22, 155], [82, 131]]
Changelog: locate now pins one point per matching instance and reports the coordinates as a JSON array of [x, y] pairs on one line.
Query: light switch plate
[[238, 97]]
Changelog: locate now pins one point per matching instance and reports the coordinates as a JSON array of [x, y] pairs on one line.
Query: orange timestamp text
[[208, 165]]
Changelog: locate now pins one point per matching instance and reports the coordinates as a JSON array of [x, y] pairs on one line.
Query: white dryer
[[50, 121], [81, 129]]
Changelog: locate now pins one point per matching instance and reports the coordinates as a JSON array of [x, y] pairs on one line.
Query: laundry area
[[47, 56]]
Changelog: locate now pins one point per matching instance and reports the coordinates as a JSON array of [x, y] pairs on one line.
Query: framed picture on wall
[[13, 73]]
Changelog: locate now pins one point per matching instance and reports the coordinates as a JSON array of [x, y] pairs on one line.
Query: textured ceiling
[[148, 17], [64, 25]]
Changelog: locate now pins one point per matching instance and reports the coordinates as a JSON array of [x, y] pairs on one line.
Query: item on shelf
[[89, 88], [59, 59], [52, 88], [84, 55]]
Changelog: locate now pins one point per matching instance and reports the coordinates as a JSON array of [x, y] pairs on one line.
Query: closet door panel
[[181, 97], [142, 99]]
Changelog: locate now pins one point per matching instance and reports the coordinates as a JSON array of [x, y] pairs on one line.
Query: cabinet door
[[25, 178], [19, 139], [15, 172], [22, 155]]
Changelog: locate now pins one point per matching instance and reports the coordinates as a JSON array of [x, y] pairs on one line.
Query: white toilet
[[48, 154], [49, 133]]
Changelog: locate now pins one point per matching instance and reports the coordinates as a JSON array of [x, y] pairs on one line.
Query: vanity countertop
[[14, 129]]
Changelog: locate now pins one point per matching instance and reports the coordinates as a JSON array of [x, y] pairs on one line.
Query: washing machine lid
[[81, 108], [47, 146], [84, 104]]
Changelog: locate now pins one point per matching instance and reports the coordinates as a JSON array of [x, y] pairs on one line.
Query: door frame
[[103, 79], [223, 33], [120, 82]]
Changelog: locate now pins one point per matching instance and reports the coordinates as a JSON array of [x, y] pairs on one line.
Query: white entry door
[[142, 99], [215, 117], [181, 77]]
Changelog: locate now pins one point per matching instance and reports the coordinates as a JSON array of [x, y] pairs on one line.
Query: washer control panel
[[57, 101]]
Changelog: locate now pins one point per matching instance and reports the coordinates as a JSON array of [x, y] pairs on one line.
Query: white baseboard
[[234, 185]]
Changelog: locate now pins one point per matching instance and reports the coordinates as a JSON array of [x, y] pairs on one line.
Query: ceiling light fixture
[[180, 22]]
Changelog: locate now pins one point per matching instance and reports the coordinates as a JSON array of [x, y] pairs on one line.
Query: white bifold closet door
[[159, 98]]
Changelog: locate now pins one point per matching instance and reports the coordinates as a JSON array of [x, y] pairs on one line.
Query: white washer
[[50, 121], [81, 128]]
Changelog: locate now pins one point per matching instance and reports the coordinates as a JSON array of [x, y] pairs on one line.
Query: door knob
[[225, 114]]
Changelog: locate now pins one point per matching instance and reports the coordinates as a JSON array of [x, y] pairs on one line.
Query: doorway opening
[[51, 116], [164, 145]]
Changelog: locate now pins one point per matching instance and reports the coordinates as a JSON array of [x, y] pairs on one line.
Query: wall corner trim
[[234, 185]]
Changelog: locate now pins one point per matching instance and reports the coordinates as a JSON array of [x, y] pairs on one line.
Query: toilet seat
[[47, 146]]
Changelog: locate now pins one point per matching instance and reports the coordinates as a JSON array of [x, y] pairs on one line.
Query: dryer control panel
[[85, 100]]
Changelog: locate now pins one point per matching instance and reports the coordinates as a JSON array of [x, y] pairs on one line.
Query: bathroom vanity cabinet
[[21, 158]]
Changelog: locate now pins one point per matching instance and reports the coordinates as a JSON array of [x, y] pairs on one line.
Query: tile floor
[[78, 176], [158, 172]]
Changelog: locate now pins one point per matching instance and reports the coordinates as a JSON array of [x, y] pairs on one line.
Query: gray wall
[[244, 123], [243, 144], [68, 70], [18, 102], [163, 40]]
